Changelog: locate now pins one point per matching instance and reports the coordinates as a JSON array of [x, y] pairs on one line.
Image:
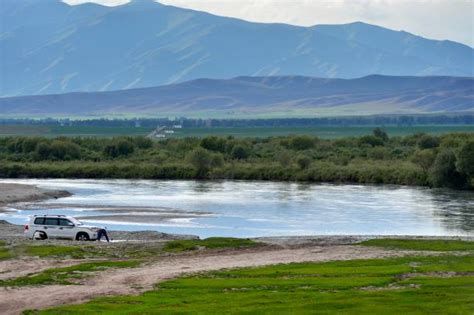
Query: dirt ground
[[137, 280]]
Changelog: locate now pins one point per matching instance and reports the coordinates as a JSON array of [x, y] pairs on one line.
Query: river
[[254, 208]]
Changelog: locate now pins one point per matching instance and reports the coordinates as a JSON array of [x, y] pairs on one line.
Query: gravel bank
[[10, 193]]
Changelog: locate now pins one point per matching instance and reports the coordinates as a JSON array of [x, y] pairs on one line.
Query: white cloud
[[437, 19]]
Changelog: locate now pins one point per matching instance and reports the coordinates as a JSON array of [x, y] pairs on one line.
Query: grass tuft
[[55, 251], [210, 243], [4, 252]]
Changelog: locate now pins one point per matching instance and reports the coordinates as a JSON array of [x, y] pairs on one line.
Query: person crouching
[[102, 233]]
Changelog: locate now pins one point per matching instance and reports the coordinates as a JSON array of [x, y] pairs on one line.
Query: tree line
[[419, 159], [375, 120]]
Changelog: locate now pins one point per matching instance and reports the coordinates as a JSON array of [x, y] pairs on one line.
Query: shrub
[[371, 141], [443, 173], [303, 162], [428, 142], [118, 148], [300, 143], [379, 133], [213, 143], [424, 159], [239, 152]]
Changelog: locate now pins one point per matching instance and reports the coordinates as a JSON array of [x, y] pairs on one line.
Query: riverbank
[[11, 193]]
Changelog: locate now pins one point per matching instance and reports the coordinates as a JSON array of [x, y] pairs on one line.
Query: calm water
[[245, 209]]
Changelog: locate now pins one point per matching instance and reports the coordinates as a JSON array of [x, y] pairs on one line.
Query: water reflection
[[455, 209]]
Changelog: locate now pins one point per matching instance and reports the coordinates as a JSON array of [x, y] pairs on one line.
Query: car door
[[51, 227], [66, 229]]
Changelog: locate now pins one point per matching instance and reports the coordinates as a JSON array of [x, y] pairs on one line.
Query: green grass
[[66, 274], [348, 287], [433, 245], [4, 251], [211, 243]]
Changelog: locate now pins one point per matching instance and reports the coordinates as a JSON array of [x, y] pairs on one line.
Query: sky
[[436, 19]]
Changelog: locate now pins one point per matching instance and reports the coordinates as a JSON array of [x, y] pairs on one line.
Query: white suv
[[59, 226]]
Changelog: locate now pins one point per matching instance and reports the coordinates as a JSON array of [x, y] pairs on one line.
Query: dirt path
[[136, 280]]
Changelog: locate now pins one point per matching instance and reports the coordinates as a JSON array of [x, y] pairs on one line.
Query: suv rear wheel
[[82, 236], [40, 236]]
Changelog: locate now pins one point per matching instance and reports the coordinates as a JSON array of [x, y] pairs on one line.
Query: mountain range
[[49, 47], [274, 96]]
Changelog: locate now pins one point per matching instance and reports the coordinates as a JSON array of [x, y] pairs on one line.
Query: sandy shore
[[11, 193]]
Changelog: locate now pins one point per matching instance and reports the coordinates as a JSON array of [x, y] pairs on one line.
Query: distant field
[[328, 132], [55, 131]]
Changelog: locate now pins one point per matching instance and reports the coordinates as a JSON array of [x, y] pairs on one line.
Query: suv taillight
[[26, 227]]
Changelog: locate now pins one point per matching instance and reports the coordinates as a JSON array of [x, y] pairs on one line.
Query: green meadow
[[411, 285]]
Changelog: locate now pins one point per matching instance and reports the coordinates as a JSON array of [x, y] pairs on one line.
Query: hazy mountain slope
[[47, 47], [269, 96]]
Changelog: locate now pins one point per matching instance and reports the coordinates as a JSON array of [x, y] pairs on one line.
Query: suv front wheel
[[81, 236]]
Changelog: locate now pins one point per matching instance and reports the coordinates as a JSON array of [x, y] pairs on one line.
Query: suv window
[[51, 221], [65, 222], [39, 221]]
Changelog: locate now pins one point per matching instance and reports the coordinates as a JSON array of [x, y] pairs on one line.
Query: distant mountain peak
[[142, 3], [58, 48]]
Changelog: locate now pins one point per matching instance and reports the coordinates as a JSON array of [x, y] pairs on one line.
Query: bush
[[379, 133], [443, 173], [424, 159], [239, 152], [300, 143], [143, 142], [371, 141], [303, 162], [64, 150], [119, 148], [203, 161], [213, 143], [465, 160], [428, 142]]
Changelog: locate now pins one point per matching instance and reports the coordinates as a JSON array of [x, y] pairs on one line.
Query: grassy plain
[[439, 284], [325, 132], [411, 285]]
